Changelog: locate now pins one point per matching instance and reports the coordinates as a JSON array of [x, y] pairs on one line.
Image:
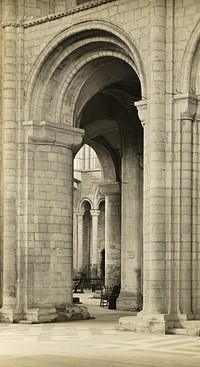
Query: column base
[[174, 323], [143, 323], [155, 323], [57, 314], [10, 315], [46, 314], [128, 303]]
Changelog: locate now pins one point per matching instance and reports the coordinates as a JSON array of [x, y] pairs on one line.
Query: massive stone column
[[186, 215], [185, 229], [154, 261], [94, 242], [47, 221], [9, 160], [131, 225], [112, 194], [49, 251]]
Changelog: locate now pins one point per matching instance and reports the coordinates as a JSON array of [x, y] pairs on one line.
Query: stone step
[[185, 331], [178, 331], [183, 327], [191, 324]]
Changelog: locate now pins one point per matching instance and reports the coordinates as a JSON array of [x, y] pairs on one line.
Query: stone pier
[[112, 194], [94, 242]]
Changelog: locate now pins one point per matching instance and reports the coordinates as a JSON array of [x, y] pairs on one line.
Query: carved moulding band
[[54, 134], [79, 8]]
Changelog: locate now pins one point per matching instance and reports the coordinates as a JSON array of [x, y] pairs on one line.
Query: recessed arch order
[[63, 57], [190, 62]]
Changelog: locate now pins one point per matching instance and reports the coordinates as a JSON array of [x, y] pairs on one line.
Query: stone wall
[[89, 184], [121, 13], [132, 16]]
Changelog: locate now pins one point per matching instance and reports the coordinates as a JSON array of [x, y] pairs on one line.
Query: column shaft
[[196, 257], [184, 206], [186, 216], [47, 221], [50, 251], [80, 243], [94, 242], [113, 239], [9, 157], [75, 244], [154, 248]]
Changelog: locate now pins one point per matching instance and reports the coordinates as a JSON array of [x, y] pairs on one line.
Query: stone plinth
[[57, 314], [128, 302], [147, 324]]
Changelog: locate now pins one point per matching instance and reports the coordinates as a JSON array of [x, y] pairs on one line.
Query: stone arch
[[102, 200], [190, 62], [83, 201], [91, 43], [51, 62], [86, 207], [75, 103], [107, 162], [97, 197]]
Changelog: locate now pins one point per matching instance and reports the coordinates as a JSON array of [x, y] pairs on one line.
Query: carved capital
[[186, 106], [94, 212], [198, 109], [54, 134], [111, 188], [142, 111], [79, 213]]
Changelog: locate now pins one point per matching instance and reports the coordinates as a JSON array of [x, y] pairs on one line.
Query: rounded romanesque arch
[[85, 202], [76, 54], [87, 80], [108, 162]]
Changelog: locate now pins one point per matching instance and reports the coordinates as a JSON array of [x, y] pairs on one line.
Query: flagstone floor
[[93, 343]]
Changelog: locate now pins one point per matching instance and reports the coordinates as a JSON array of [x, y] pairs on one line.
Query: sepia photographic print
[[100, 183]]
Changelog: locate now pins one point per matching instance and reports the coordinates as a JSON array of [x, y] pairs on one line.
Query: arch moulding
[[188, 59], [126, 44], [85, 200]]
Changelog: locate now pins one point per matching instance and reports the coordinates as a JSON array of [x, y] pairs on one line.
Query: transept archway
[[84, 83], [76, 78]]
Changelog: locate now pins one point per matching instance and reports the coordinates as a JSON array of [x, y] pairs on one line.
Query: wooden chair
[[104, 297]]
